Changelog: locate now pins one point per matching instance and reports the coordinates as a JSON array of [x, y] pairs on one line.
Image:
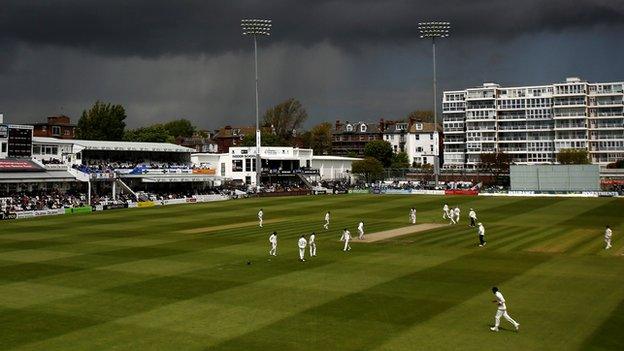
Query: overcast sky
[[344, 59]]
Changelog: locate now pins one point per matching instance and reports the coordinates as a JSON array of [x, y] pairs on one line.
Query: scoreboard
[[19, 140]]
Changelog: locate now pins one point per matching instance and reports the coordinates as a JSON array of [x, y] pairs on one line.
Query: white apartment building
[[418, 139], [532, 123]]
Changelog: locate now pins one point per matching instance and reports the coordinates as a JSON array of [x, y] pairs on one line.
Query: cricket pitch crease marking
[[227, 226], [393, 233]]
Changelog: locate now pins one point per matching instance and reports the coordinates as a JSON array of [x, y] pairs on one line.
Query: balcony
[[569, 115], [610, 126], [480, 95], [613, 103], [570, 127], [481, 129], [513, 140]]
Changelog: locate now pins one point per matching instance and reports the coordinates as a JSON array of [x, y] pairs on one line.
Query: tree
[[369, 168], [381, 150], [421, 115], [496, 163], [155, 133], [180, 128], [285, 117], [400, 160], [573, 157], [266, 139], [319, 138], [102, 121]]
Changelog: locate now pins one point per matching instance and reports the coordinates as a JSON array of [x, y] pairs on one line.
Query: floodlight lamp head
[[256, 26]]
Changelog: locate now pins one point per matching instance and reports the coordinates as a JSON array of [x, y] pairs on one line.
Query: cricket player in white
[[502, 311], [456, 213], [445, 212], [607, 237], [312, 244], [273, 242], [327, 217], [481, 231], [361, 230], [346, 237], [260, 215], [302, 246], [473, 217], [412, 215]]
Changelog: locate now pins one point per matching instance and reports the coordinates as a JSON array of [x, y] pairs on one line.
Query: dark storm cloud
[[166, 27]]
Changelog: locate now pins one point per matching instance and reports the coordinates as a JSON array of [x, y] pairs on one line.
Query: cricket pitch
[[393, 233]]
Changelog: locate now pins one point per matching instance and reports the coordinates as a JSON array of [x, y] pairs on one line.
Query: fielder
[[412, 215], [260, 215], [327, 217], [445, 212], [361, 230], [473, 217], [312, 244], [273, 242], [607, 237], [346, 237], [302, 246], [456, 213], [481, 232], [502, 311]]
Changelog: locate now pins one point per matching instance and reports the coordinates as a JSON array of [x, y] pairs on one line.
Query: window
[[419, 149], [419, 126], [237, 165], [431, 136], [4, 147], [56, 130], [349, 128], [417, 136], [363, 128], [66, 132]]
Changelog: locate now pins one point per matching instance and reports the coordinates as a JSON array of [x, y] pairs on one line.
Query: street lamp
[[255, 28], [433, 30]]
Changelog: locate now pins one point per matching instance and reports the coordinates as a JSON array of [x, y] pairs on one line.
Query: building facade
[[278, 162], [56, 127], [533, 123], [350, 139], [417, 139]]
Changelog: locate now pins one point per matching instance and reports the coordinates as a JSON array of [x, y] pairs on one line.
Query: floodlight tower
[[433, 30], [256, 28]]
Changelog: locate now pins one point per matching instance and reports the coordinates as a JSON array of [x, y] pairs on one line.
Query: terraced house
[[533, 123]]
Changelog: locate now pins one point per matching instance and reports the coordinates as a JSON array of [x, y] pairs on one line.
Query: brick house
[[56, 127]]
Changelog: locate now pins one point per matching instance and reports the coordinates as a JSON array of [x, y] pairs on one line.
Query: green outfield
[[176, 278]]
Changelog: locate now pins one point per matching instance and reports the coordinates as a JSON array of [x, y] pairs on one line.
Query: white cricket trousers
[[608, 242], [361, 235], [313, 249], [413, 219], [273, 251], [503, 313], [260, 222], [326, 226], [302, 253], [445, 214], [347, 247]]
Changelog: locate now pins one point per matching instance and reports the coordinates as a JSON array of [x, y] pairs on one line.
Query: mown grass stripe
[[388, 319]]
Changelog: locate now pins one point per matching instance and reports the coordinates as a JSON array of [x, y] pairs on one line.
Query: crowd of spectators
[[41, 200], [103, 166]]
